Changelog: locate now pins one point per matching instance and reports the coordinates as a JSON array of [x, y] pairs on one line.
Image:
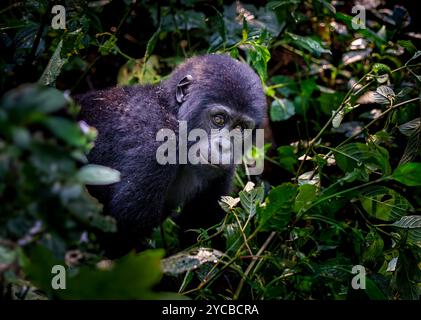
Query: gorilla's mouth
[[207, 163]]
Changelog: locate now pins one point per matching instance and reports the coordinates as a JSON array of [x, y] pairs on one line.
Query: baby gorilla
[[208, 92]]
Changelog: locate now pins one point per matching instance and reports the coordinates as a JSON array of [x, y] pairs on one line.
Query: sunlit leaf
[[54, 66], [190, 260], [94, 174], [281, 109], [408, 174], [358, 155], [308, 43], [408, 222], [384, 203]]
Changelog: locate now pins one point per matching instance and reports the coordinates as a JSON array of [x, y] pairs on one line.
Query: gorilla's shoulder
[[129, 103], [112, 99]]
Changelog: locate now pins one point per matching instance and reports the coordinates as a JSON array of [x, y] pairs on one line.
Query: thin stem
[[252, 263], [367, 126], [242, 232], [379, 117], [314, 140]]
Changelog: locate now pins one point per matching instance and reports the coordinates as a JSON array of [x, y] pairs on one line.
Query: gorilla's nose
[[224, 145]]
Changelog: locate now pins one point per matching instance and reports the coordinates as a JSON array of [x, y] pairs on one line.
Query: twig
[[251, 265], [242, 232]]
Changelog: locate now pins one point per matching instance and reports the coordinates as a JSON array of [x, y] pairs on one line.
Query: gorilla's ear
[[180, 91]]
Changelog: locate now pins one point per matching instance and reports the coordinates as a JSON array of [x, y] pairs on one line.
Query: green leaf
[[29, 98], [234, 53], [37, 265], [285, 85], [307, 193], [287, 158], [374, 246], [109, 46], [151, 44], [408, 174], [373, 291], [53, 68], [259, 56], [330, 101], [412, 224], [278, 210], [249, 200], [366, 33], [245, 30], [357, 155], [313, 46], [66, 130], [131, 277], [408, 275], [408, 46], [308, 86], [281, 109], [380, 68], [190, 260], [408, 222], [94, 174], [384, 203], [7, 256]]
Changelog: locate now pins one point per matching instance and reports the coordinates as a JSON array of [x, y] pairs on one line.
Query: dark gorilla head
[[217, 92]]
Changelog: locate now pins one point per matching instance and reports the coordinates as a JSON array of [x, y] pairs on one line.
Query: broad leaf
[[384, 203], [278, 210], [408, 222], [408, 174], [66, 130], [281, 109], [94, 174], [250, 199], [313, 46], [357, 155], [306, 195], [191, 260], [53, 68]]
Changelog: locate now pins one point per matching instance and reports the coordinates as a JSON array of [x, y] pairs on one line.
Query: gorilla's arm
[[204, 210]]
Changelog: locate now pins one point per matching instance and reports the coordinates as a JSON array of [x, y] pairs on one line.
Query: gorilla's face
[[223, 99], [218, 135], [228, 130]]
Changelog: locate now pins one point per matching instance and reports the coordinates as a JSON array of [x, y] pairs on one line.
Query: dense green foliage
[[342, 176]]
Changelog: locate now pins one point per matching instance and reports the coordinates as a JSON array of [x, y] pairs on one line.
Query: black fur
[[127, 120]]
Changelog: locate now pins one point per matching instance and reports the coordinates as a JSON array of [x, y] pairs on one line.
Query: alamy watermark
[[358, 21], [59, 20], [358, 281], [219, 148], [58, 281]]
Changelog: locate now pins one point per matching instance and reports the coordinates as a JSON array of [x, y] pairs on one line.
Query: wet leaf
[[94, 174]]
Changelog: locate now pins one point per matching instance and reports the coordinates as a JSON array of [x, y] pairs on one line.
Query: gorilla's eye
[[219, 120]]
